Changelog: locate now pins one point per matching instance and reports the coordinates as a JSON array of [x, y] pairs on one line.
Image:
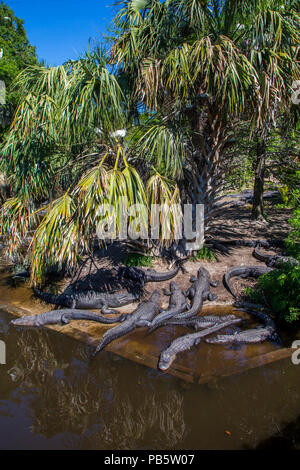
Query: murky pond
[[52, 396]]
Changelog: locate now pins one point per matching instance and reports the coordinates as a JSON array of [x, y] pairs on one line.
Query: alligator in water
[[64, 317], [177, 304], [141, 316], [274, 261], [149, 275], [243, 272], [99, 300], [198, 292], [185, 342]]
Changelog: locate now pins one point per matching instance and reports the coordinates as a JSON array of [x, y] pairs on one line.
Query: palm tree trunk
[[260, 168], [208, 142]]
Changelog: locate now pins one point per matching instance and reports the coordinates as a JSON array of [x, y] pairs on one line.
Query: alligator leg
[[167, 292], [190, 293], [212, 297], [215, 283], [108, 311]]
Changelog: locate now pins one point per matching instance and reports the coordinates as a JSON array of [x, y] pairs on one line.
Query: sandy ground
[[231, 222]]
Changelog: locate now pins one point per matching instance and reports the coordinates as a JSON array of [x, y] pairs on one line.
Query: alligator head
[[30, 320], [173, 286], [165, 360]]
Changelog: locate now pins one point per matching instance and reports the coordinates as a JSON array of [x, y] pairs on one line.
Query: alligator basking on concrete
[[99, 300], [149, 275], [196, 323], [64, 317], [255, 335], [198, 292], [177, 304], [185, 342], [274, 261], [140, 317], [244, 272]]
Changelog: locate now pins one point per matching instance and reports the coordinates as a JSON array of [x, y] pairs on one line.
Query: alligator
[[140, 317], [255, 335], [243, 272], [64, 317], [99, 300], [197, 323], [177, 304], [274, 261], [149, 275], [222, 245], [185, 342], [198, 292]]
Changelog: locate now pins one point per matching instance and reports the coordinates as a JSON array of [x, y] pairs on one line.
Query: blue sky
[[60, 29]]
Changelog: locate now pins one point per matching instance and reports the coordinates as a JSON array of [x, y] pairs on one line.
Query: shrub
[[136, 259], [293, 240], [280, 290], [203, 253]]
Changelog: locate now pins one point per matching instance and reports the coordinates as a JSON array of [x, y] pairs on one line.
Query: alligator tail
[[104, 342], [52, 298], [226, 279]]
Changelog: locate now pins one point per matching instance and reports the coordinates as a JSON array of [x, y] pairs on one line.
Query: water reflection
[[107, 405], [53, 396]]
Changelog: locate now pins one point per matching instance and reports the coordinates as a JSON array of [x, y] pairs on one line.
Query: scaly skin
[[185, 342], [141, 316], [149, 275], [198, 292], [101, 300], [200, 322], [244, 271], [177, 304], [274, 261], [54, 317], [255, 335]]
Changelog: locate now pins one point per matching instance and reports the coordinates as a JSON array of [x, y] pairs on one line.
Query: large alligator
[[177, 305], [196, 323], [64, 317], [99, 300], [140, 317], [149, 275], [244, 272], [255, 335], [198, 292], [185, 342], [274, 261]]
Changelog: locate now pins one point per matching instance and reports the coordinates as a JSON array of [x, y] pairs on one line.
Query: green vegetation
[[201, 92], [293, 240], [17, 55], [280, 291], [136, 259], [204, 253]]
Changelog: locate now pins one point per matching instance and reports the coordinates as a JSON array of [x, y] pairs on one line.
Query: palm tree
[[180, 76], [199, 67], [64, 141]]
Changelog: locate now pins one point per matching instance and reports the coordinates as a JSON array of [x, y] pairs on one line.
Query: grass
[[203, 253], [138, 260]]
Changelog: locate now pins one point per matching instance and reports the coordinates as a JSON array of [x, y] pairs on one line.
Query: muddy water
[[52, 396]]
